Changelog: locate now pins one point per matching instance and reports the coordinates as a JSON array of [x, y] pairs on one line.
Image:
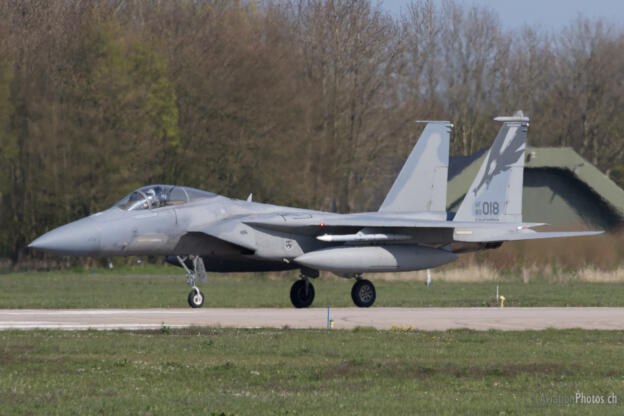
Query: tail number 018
[[490, 208]]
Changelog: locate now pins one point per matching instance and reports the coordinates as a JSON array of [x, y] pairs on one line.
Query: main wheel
[[302, 294], [363, 293], [195, 298]]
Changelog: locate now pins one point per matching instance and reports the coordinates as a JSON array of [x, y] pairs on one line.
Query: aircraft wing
[[373, 220], [239, 230], [463, 231]]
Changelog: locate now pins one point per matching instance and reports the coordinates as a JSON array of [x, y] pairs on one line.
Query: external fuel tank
[[367, 259]]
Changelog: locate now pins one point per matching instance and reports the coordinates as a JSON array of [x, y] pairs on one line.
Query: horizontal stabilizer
[[486, 236], [532, 235]]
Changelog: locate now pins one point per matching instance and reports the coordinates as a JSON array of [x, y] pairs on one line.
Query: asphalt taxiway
[[508, 319]]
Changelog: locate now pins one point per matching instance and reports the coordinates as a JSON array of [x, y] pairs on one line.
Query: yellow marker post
[[502, 301], [331, 323]]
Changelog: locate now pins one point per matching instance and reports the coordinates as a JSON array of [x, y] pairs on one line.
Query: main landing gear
[[195, 296], [302, 291], [363, 293]]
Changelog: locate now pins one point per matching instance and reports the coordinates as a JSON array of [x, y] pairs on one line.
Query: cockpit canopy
[[158, 196]]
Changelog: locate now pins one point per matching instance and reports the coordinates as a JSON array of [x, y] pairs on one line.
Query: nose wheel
[[363, 293], [195, 296]]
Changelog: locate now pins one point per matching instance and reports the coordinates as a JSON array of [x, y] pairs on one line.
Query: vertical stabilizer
[[421, 184], [496, 193]]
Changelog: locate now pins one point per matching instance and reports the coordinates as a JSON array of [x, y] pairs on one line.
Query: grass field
[[153, 287], [301, 372], [315, 372]]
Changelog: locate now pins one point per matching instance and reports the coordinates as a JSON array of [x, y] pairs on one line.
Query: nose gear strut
[[195, 297]]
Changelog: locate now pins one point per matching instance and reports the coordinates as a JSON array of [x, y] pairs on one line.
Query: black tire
[[301, 294], [363, 293], [196, 299]]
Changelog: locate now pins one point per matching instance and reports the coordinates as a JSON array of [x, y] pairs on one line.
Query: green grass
[[298, 372], [315, 372], [105, 289]]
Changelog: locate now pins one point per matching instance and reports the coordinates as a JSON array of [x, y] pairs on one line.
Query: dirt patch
[[8, 358], [167, 331], [13, 399], [287, 386], [400, 369], [101, 393], [614, 373], [20, 347]]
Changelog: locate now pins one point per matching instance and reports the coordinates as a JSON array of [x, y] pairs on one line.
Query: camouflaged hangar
[[560, 188]]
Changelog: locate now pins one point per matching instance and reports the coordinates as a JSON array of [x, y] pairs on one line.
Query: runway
[[430, 319]]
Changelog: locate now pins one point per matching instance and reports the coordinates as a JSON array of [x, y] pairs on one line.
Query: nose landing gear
[[195, 296]]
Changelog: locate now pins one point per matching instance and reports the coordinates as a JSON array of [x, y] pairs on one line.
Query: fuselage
[[160, 231]]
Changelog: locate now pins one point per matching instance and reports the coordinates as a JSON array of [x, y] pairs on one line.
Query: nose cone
[[79, 238]]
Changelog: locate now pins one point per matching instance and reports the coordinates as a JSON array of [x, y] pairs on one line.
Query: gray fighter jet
[[201, 231]]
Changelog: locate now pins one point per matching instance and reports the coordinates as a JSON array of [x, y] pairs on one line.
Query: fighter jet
[[202, 231]]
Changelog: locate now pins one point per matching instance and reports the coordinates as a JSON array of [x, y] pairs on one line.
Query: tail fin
[[496, 192], [421, 184]]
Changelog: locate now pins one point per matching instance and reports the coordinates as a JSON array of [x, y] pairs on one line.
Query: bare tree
[[352, 55], [301, 102]]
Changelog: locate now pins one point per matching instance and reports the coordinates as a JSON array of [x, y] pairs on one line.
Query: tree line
[[309, 103]]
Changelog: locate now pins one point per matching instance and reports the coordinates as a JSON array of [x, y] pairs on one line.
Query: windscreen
[[135, 201]]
